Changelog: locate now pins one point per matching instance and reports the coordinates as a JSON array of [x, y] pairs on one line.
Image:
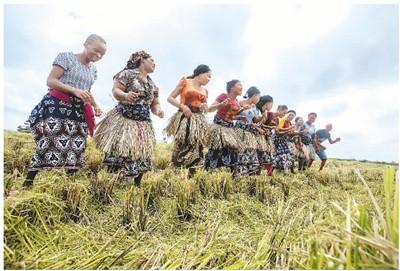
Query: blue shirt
[[310, 129], [323, 135], [250, 114]]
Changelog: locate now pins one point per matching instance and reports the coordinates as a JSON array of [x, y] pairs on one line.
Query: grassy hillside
[[308, 220]]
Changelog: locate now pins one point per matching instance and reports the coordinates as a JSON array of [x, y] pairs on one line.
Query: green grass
[[343, 218]]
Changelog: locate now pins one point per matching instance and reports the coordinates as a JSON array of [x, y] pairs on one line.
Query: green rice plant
[[134, 210], [39, 209], [102, 186], [368, 240], [9, 182], [310, 220], [201, 178], [185, 198], [162, 157], [220, 184], [391, 185], [18, 151], [128, 207], [316, 258], [93, 158], [280, 181], [75, 200]]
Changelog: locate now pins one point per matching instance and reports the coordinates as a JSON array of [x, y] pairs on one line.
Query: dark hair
[[231, 84], [263, 100], [296, 119], [312, 113], [292, 111], [251, 92], [282, 107], [134, 61], [199, 70]]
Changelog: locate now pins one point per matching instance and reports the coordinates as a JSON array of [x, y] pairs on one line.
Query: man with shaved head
[[319, 137]]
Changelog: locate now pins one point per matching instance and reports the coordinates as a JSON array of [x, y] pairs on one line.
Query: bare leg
[[192, 172], [71, 172], [310, 163], [28, 183], [138, 179], [322, 164]]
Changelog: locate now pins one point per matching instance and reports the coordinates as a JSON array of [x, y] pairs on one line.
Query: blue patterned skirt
[[59, 130], [248, 161], [222, 153], [284, 159]]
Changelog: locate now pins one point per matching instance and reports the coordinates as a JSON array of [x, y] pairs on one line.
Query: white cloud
[[363, 109], [359, 123], [23, 89], [276, 28], [68, 26]]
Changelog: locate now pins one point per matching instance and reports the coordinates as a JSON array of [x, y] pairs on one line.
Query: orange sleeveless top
[[192, 97]]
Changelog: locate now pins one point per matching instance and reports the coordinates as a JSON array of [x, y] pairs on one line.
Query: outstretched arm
[[217, 105], [334, 141]]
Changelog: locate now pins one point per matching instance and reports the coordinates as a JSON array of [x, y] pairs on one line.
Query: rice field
[[343, 218]]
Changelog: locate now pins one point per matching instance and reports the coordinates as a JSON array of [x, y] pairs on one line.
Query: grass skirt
[[123, 137], [191, 135], [224, 145]]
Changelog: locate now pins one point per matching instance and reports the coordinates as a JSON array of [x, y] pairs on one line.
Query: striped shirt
[[76, 74]]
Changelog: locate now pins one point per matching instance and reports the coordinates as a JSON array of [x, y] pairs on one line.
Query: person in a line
[[319, 137], [189, 126], [62, 120], [224, 144], [126, 133]]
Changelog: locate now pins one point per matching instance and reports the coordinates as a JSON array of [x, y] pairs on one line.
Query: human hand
[[131, 96], [204, 107], [97, 111], [159, 113], [85, 96], [186, 111]]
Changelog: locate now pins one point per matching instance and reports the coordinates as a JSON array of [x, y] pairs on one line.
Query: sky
[[339, 60]]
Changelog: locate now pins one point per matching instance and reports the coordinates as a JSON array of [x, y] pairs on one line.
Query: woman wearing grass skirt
[[224, 144], [297, 147], [265, 141], [189, 126], [61, 122], [283, 156], [248, 162], [126, 133]]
